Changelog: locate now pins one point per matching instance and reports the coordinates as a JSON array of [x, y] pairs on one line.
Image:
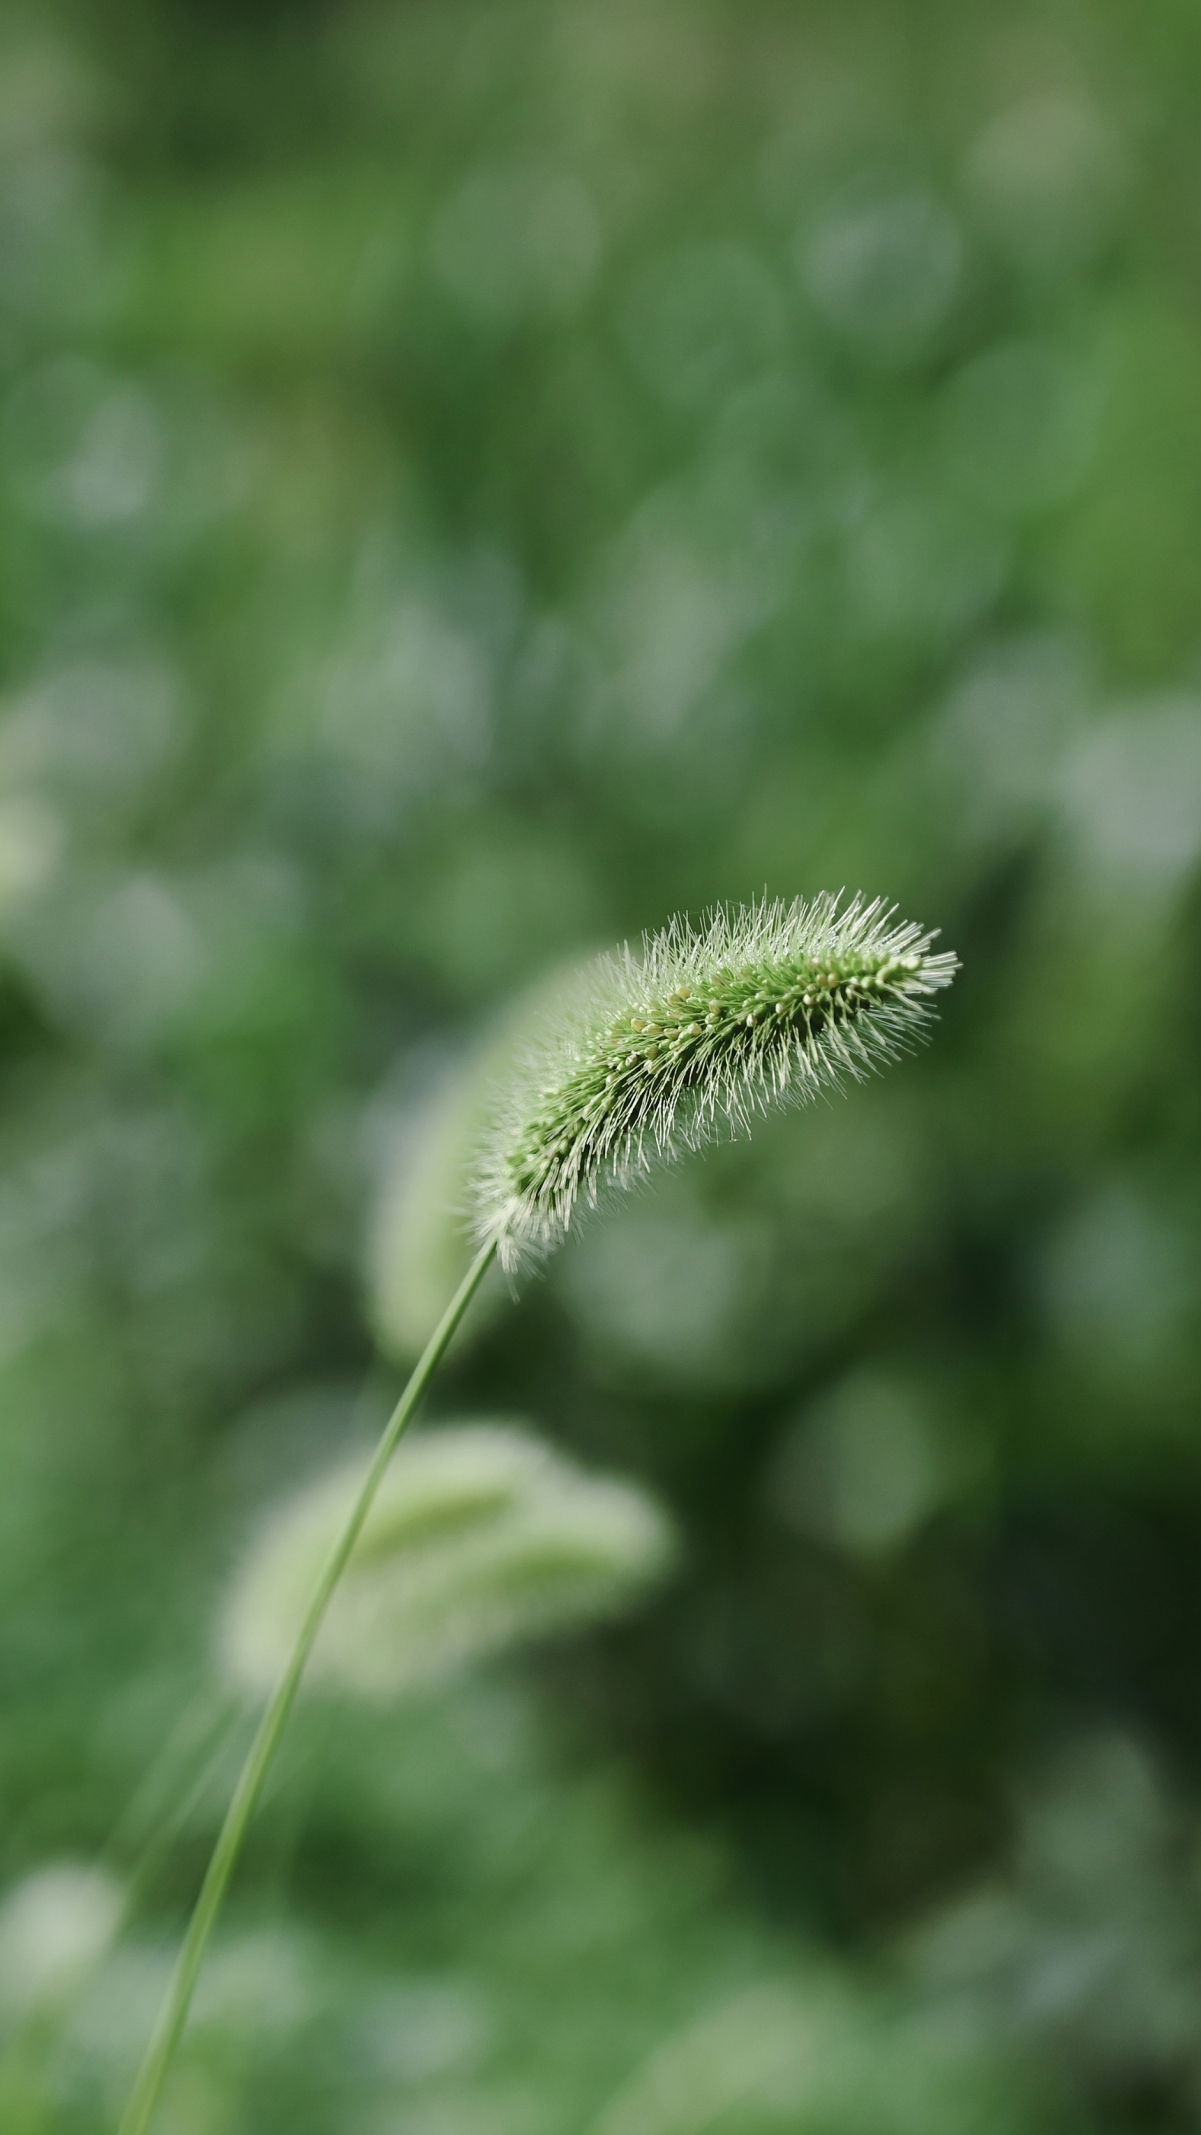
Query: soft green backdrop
[[474, 480]]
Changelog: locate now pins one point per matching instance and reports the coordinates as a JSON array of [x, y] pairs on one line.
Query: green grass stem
[[173, 2016]]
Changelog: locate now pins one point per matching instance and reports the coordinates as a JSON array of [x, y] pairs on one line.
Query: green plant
[[660, 1050]]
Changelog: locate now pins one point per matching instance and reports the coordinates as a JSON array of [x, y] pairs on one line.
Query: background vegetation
[[475, 479]]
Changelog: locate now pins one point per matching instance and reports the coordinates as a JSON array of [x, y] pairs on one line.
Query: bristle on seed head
[[691, 1037]]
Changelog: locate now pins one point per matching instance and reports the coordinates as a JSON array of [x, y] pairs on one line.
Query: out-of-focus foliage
[[1090, 1942], [477, 477], [815, 2054]]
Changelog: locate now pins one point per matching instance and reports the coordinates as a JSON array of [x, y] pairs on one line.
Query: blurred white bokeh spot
[[673, 1293], [866, 1464], [701, 321], [93, 730], [87, 448], [1047, 177], [31, 843], [417, 2028], [515, 238], [407, 698], [1007, 725], [126, 962], [54, 1926], [884, 272], [1121, 1281], [674, 618], [922, 566], [46, 90], [263, 1981], [1087, 1940], [1131, 795], [1019, 424]]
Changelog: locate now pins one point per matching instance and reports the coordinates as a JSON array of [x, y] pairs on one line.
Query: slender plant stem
[[173, 2015]]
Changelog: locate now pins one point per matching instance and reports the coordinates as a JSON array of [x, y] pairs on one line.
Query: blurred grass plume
[[480, 1536]]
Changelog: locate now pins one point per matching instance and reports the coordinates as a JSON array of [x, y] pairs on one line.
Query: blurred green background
[[476, 479]]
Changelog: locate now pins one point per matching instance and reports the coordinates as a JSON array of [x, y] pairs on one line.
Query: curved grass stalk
[[174, 2013]]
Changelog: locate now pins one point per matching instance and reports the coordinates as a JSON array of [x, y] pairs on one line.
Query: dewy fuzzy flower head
[[667, 1048]]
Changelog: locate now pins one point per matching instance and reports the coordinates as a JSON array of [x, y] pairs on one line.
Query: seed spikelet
[[669, 1047]]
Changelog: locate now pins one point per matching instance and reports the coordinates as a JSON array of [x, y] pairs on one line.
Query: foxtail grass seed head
[[480, 1536], [692, 1037]]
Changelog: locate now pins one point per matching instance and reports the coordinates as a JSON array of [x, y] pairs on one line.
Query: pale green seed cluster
[[694, 1028], [699, 1032]]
